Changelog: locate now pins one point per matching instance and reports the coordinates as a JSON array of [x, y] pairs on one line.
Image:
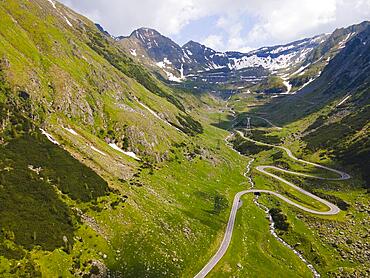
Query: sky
[[233, 25]]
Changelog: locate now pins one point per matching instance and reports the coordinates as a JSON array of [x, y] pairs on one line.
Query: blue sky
[[226, 24], [202, 30], [197, 30]]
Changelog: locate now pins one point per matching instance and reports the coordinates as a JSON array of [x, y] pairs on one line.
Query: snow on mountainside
[[296, 64], [318, 59], [160, 48], [276, 57], [203, 57], [194, 57]]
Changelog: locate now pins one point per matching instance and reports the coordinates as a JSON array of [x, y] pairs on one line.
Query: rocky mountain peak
[[197, 48], [144, 34]]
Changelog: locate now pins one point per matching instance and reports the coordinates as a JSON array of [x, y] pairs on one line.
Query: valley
[[132, 156], [333, 209]]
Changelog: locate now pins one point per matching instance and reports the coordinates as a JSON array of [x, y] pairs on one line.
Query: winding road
[[332, 209]]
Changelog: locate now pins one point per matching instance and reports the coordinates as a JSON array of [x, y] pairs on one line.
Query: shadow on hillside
[[225, 124]]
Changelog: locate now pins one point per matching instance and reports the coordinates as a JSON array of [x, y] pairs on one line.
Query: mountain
[[196, 62], [101, 29], [274, 70], [155, 51], [314, 64], [338, 99], [277, 57], [194, 56], [204, 58]]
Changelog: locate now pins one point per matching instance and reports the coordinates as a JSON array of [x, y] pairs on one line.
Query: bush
[[188, 125], [246, 147], [220, 203], [279, 219]]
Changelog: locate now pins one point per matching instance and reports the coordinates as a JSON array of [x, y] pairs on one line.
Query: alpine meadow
[[135, 156]]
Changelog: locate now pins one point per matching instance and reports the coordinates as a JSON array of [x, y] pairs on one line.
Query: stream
[[272, 225]]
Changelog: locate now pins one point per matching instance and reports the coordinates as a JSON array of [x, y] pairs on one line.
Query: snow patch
[[343, 42], [131, 154], [280, 62], [68, 22], [301, 69], [282, 48], [288, 86], [308, 82], [98, 151], [182, 72], [150, 110], [166, 61], [343, 101], [213, 65], [70, 130], [172, 77], [50, 138], [220, 54], [161, 65], [186, 55], [155, 114], [52, 3], [133, 52]]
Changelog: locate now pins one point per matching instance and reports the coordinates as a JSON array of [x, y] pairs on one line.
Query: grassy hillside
[[106, 170], [333, 111], [33, 174], [333, 245], [59, 73], [83, 207], [78, 75]]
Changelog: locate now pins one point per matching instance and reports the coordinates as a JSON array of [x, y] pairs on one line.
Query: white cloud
[[274, 21], [214, 41], [168, 16], [289, 19], [233, 27]]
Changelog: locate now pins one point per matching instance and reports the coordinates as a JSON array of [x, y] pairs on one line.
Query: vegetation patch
[[263, 136], [246, 147], [271, 85], [354, 153], [280, 219], [220, 204], [32, 171], [333, 199], [126, 65], [188, 125]]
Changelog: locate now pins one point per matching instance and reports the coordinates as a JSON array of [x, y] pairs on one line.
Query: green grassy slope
[[79, 75], [83, 207], [333, 112], [58, 71], [33, 174], [332, 244]]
